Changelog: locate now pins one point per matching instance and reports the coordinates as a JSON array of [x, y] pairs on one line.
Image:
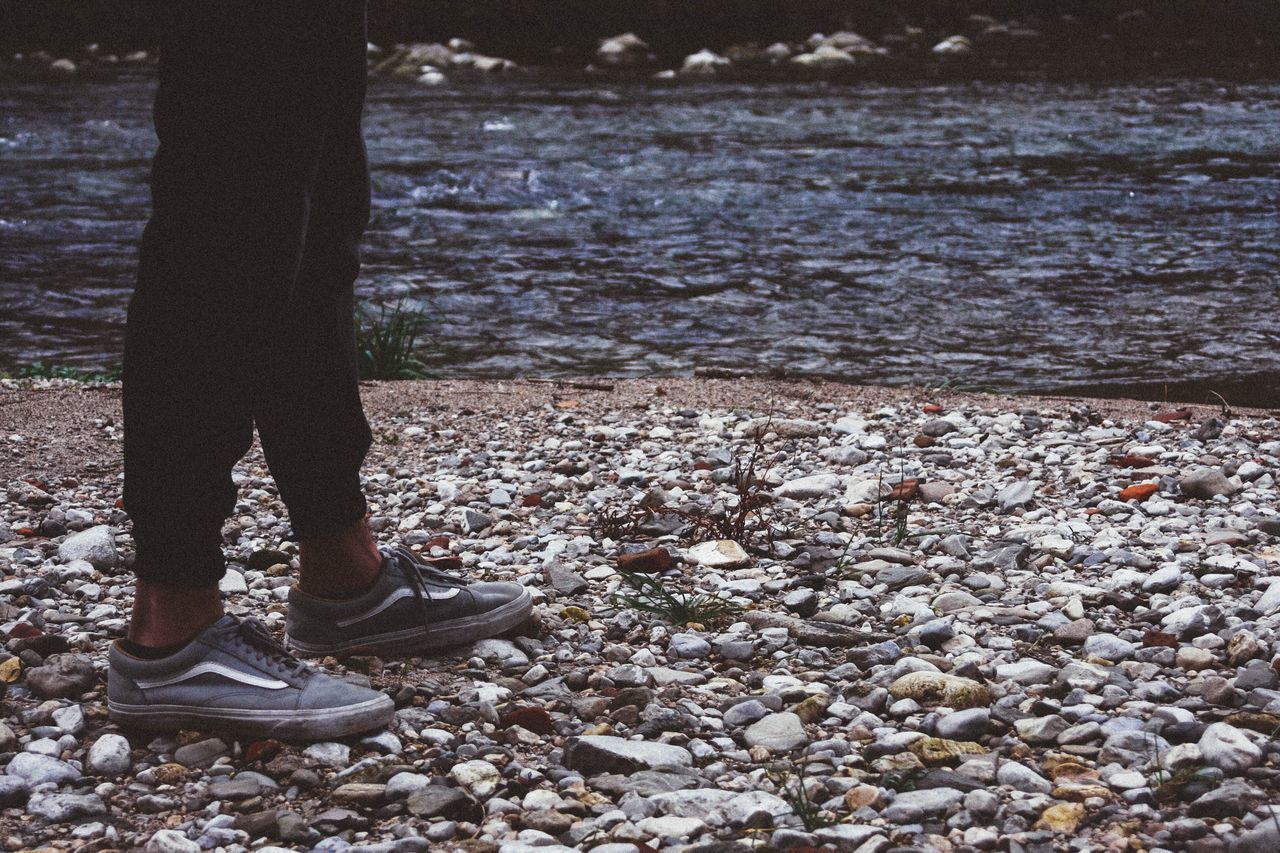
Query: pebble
[[96, 546], [62, 676], [171, 841], [109, 755], [1229, 749], [781, 732]]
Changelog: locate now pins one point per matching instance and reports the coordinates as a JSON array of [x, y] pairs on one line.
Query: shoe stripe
[[402, 592], [214, 668]]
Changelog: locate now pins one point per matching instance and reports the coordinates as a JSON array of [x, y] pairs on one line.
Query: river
[[1113, 239]]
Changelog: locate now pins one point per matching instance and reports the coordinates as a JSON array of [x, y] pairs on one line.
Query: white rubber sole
[[424, 638], [320, 724]]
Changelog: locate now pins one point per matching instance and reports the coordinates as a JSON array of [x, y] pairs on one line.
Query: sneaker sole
[[442, 635], [319, 724]]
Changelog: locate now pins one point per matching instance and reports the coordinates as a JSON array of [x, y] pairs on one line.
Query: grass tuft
[[41, 370], [387, 342], [662, 599], [792, 789]]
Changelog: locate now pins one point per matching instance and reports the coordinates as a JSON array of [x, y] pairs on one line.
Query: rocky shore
[[736, 40], [769, 616]]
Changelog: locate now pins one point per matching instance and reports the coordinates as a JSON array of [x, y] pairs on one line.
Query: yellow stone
[[1079, 792], [170, 774], [1069, 771], [937, 751], [599, 729], [575, 614], [1258, 721], [897, 763], [811, 709], [10, 670], [861, 795], [1061, 817], [941, 688]]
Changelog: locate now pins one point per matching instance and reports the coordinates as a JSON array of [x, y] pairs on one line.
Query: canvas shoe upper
[[235, 676], [413, 606]]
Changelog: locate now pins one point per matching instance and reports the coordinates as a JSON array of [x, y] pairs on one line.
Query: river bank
[[727, 39], [949, 623]]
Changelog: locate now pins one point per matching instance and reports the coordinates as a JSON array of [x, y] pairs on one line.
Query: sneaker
[[413, 607], [235, 676]]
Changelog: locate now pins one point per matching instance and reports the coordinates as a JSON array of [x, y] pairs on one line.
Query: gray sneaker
[[234, 676], [413, 607]]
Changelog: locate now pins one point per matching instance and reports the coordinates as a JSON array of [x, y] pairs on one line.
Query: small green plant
[[956, 385], [620, 523], [41, 370], [386, 342], [659, 597], [792, 789], [746, 516]]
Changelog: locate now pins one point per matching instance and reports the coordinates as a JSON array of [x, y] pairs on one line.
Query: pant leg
[[241, 114], [309, 416]]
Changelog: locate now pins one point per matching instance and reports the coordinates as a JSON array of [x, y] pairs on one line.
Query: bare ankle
[[340, 565], [165, 615]]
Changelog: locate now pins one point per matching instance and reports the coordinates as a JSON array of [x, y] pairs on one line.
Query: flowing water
[[1106, 238]]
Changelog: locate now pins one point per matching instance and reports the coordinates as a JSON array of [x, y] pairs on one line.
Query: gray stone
[[171, 841], [750, 809], [779, 732], [1109, 647], [109, 755], [1206, 483], [96, 546], [1232, 798], [802, 602], [670, 826], [1027, 671], [565, 580], [1229, 749], [62, 676], [1041, 730], [70, 719], [688, 645], [442, 801], [969, 724], [39, 769], [913, 806], [745, 713], [591, 754], [474, 522], [1269, 603], [1163, 579], [938, 427], [405, 783], [848, 837], [201, 753], [14, 791], [60, 808], [504, 653], [234, 790], [812, 486], [1263, 838], [1018, 494], [1022, 778], [898, 577]]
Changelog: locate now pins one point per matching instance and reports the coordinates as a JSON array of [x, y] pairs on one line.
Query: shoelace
[[419, 574], [267, 649]]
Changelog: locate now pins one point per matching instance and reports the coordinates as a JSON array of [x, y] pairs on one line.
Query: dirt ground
[[70, 430]]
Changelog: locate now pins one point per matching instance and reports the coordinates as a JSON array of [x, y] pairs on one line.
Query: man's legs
[[246, 94]]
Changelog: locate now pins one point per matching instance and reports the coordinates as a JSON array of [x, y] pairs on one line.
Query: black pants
[[243, 311]]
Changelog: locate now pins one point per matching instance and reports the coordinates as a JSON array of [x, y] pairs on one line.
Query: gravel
[[1026, 654]]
